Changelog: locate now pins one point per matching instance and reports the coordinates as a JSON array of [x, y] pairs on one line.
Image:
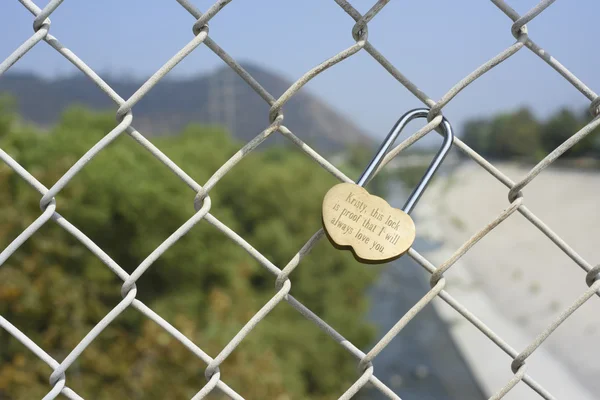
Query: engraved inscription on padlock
[[366, 224]]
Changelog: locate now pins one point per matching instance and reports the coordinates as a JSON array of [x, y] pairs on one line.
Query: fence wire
[[202, 203]]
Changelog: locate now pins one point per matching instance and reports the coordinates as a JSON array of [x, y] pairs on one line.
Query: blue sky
[[433, 42]]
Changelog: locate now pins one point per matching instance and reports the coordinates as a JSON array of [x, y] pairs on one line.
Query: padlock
[[366, 224]]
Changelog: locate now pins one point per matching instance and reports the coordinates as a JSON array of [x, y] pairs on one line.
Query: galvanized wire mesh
[[58, 378]]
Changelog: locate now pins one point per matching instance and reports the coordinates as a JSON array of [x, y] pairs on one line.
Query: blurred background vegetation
[[127, 202], [520, 135]]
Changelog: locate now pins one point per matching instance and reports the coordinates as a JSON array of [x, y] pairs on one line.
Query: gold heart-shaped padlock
[[375, 231], [366, 224]]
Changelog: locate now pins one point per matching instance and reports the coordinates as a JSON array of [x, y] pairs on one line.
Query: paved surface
[[515, 279], [422, 362]]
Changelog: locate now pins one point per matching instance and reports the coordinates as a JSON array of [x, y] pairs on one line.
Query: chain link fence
[[283, 276]]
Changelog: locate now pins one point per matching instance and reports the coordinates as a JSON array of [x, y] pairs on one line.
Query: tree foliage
[[55, 290], [520, 135]]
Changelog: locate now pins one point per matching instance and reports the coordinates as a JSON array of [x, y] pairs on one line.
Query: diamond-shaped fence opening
[[283, 275]]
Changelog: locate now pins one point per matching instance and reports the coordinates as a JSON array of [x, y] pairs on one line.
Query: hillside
[[219, 97]]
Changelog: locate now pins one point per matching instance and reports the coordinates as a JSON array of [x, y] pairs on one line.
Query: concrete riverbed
[[516, 280]]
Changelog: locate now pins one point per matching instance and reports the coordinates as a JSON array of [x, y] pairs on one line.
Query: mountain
[[220, 97]]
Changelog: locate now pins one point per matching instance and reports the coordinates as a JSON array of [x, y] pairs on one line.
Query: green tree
[[7, 116], [55, 290], [515, 134], [590, 145], [560, 127], [519, 135], [477, 134], [507, 135]]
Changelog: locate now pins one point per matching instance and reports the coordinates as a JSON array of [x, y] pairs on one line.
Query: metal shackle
[[389, 141]]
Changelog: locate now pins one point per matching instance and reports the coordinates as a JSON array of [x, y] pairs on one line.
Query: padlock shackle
[[389, 141]]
